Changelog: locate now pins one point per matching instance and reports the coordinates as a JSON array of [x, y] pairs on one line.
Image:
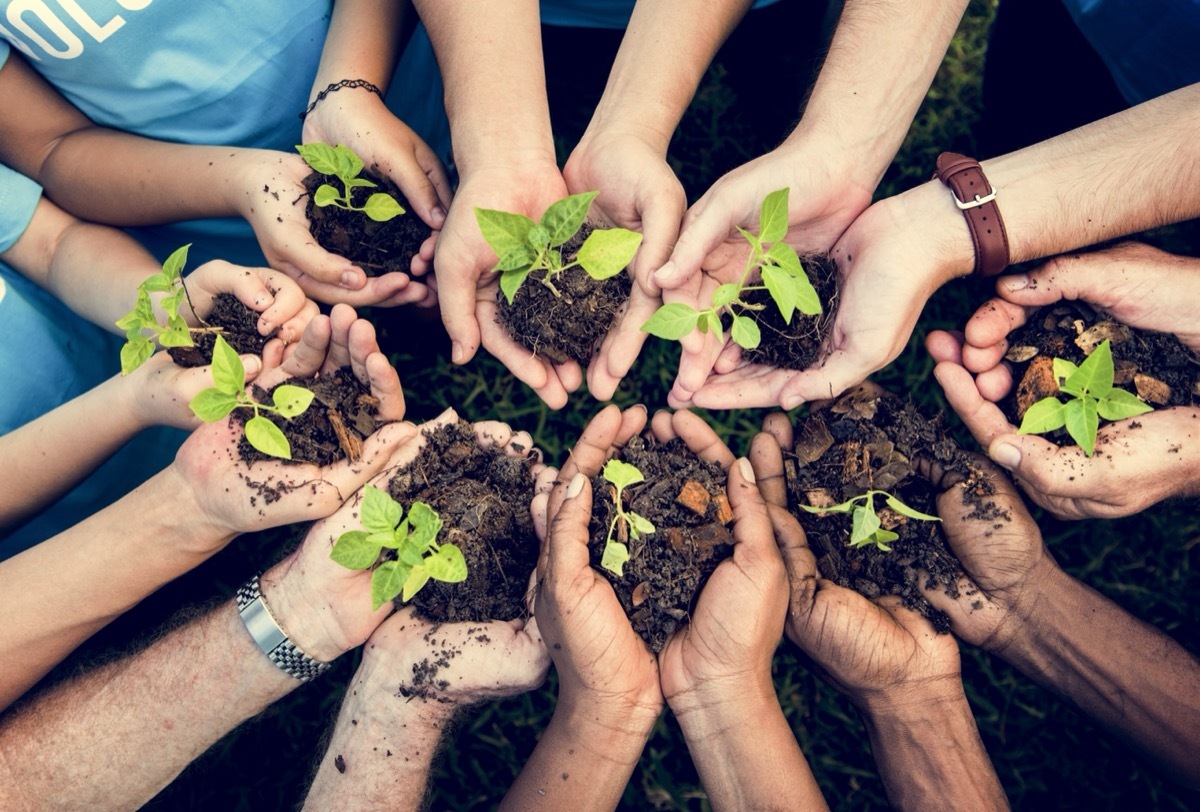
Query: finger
[[766, 457], [272, 354], [841, 371], [570, 375], [661, 426], [704, 228], [306, 356], [701, 439], [385, 387], [660, 229], [417, 174], [378, 290], [457, 282], [567, 546], [944, 346], [751, 524], [983, 418], [291, 329], [729, 359], [995, 383], [779, 426], [748, 387], [341, 319], [492, 433], [987, 332], [304, 257], [621, 346], [911, 621], [798, 561], [609, 429]]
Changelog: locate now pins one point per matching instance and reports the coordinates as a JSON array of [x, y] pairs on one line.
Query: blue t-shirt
[[1150, 47]]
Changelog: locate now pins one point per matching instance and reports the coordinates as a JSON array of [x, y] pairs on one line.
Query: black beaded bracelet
[[363, 83]]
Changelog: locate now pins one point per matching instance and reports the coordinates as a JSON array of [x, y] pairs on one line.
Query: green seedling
[[229, 393], [141, 320], [782, 275], [342, 163], [625, 523], [865, 527], [413, 537], [525, 246], [1090, 387]]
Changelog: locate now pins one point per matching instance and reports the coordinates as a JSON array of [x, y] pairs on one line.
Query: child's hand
[[277, 298]]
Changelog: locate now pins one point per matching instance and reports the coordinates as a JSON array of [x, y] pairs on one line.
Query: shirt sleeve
[[19, 197]]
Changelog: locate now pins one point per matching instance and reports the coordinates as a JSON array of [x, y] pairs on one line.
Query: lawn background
[[1047, 755]]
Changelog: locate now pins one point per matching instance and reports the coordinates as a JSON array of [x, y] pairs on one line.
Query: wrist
[[308, 619], [909, 702], [928, 213], [717, 708], [197, 537], [613, 723]]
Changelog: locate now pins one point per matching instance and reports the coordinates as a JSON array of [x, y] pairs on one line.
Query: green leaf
[[176, 337], [504, 231], [267, 438], [671, 321], [210, 405], [614, 558], [380, 512], [773, 219], [1083, 421], [881, 538], [713, 322], [622, 474], [786, 257], [606, 252], [538, 237], [1095, 374], [904, 510], [520, 258], [863, 524], [326, 195], [292, 400], [347, 161], [410, 554], [782, 288], [381, 207], [807, 300], [1120, 404], [565, 217], [391, 538], [425, 523], [725, 294], [159, 283], [843, 507], [386, 582], [1046, 415], [447, 565], [510, 282], [1063, 369], [354, 551], [745, 332], [417, 578], [137, 351], [639, 525], [173, 267], [321, 157], [750, 238], [228, 373], [357, 183]]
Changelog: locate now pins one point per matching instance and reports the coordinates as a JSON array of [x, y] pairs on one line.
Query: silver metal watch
[[267, 634]]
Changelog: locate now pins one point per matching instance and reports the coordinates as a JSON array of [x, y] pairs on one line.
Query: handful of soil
[[571, 325], [796, 345], [483, 498], [870, 440], [1154, 366], [377, 248], [342, 415], [684, 497], [238, 325]]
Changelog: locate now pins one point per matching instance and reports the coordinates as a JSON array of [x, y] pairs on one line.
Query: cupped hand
[[1137, 463], [279, 301], [271, 196], [638, 191], [876, 652], [724, 654], [467, 285]]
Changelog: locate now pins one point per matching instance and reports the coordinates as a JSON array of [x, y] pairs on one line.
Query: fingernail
[[439, 216], [350, 279], [265, 327], [1016, 282], [790, 402], [746, 469], [456, 352], [1007, 455], [576, 486], [664, 273], [252, 364]]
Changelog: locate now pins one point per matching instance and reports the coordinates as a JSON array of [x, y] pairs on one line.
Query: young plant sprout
[[783, 277], [1090, 387], [342, 163], [414, 538], [229, 393], [137, 322], [525, 246], [626, 523], [866, 528]]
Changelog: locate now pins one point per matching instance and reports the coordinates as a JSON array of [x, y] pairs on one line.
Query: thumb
[[660, 230], [701, 235]]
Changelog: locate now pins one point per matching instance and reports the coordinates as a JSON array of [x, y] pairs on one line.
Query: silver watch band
[[270, 638]]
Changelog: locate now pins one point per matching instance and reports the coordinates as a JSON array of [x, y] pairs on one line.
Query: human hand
[[284, 309], [1138, 463], [724, 654], [267, 189], [467, 286], [876, 652], [638, 191]]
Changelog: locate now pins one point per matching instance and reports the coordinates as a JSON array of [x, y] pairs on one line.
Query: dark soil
[[684, 497], [871, 441], [1154, 366], [569, 326], [342, 415], [377, 248], [798, 345], [238, 324], [483, 498]]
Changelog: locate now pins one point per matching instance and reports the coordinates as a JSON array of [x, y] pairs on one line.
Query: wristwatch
[[976, 199], [270, 638]]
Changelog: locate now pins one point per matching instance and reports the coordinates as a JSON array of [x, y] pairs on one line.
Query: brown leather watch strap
[[976, 198]]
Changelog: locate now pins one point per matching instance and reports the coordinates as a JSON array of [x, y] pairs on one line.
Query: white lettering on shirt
[[69, 46], [90, 26], [64, 43], [134, 5]]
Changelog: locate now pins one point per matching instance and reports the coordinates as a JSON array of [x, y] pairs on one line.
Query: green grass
[[1047, 755]]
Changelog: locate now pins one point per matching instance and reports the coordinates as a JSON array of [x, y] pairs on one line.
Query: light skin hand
[[1137, 462], [467, 286]]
